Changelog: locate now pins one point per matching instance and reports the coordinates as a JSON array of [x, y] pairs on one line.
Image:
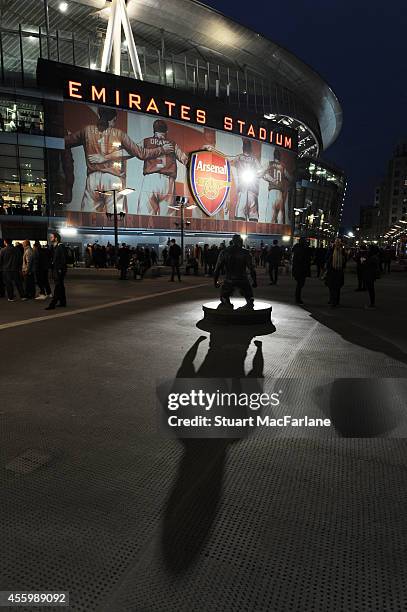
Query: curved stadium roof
[[189, 31], [221, 38]]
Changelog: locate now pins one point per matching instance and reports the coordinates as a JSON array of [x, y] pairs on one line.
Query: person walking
[[320, 258], [10, 264], [387, 257], [153, 255], [28, 271], [88, 256], [360, 258], [335, 265], [36, 269], [42, 263], [124, 261], [301, 267], [205, 259], [174, 254], [273, 259], [371, 272], [212, 258], [59, 271]]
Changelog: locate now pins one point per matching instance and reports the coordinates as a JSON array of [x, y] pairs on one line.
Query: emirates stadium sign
[[209, 176]]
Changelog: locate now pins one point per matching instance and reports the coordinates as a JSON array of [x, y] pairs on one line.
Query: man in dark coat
[[273, 259], [371, 272], [59, 267], [235, 260], [301, 264], [174, 254], [124, 261], [41, 259], [360, 258], [320, 258]]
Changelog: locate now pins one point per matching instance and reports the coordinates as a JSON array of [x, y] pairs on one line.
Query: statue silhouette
[[193, 501]]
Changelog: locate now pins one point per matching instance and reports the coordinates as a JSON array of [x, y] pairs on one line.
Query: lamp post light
[[122, 192], [181, 205]]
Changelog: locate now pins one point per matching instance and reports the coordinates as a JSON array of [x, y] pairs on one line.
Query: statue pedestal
[[216, 313]]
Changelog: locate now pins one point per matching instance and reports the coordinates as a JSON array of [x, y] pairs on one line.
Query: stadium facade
[[206, 109]]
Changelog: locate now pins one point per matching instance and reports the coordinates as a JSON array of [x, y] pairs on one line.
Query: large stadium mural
[[230, 178]]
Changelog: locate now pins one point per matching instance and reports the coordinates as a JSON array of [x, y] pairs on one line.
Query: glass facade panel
[[7, 149], [23, 116], [8, 162], [31, 152], [22, 181]]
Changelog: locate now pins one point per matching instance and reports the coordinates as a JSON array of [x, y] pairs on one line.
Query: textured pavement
[[97, 502]]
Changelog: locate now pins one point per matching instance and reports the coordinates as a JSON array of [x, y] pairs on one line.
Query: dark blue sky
[[360, 48]]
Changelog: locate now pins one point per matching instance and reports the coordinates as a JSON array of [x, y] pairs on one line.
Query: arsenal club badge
[[209, 177]]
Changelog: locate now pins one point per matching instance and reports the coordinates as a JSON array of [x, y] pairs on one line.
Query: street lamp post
[[115, 226], [181, 205], [121, 192], [182, 208]]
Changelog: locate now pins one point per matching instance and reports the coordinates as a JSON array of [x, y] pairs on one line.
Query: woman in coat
[[370, 271], [301, 267], [335, 265]]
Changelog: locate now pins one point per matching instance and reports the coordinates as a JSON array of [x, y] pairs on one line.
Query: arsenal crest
[[209, 176]]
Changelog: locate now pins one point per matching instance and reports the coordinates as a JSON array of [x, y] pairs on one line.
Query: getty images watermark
[[213, 408]]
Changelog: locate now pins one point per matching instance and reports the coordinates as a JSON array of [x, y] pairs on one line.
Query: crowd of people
[[331, 262], [104, 256], [25, 270]]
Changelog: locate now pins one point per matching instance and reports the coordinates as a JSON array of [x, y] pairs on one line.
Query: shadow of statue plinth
[[193, 501]]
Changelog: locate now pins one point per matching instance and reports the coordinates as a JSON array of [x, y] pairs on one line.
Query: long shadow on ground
[[356, 334], [193, 501]]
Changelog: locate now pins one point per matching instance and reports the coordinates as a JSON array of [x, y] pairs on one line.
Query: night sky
[[360, 48]]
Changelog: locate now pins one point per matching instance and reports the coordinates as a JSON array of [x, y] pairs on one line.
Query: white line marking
[[70, 313]]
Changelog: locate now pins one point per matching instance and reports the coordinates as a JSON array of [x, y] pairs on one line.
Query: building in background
[[212, 62], [388, 215], [369, 223], [319, 200], [397, 184]]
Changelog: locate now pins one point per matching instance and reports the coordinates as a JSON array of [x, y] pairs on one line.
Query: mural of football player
[[160, 172], [103, 145], [278, 181], [247, 170]]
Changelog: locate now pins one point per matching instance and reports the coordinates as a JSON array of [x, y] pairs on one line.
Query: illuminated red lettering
[[262, 134], [250, 131], [184, 113], [228, 124], [117, 97], [200, 116], [287, 142], [170, 106], [152, 106], [241, 124], [279, 139], [98, 95], [134, 100], [73, 87]]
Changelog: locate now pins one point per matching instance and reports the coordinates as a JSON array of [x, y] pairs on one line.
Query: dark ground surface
[[126, 519]]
